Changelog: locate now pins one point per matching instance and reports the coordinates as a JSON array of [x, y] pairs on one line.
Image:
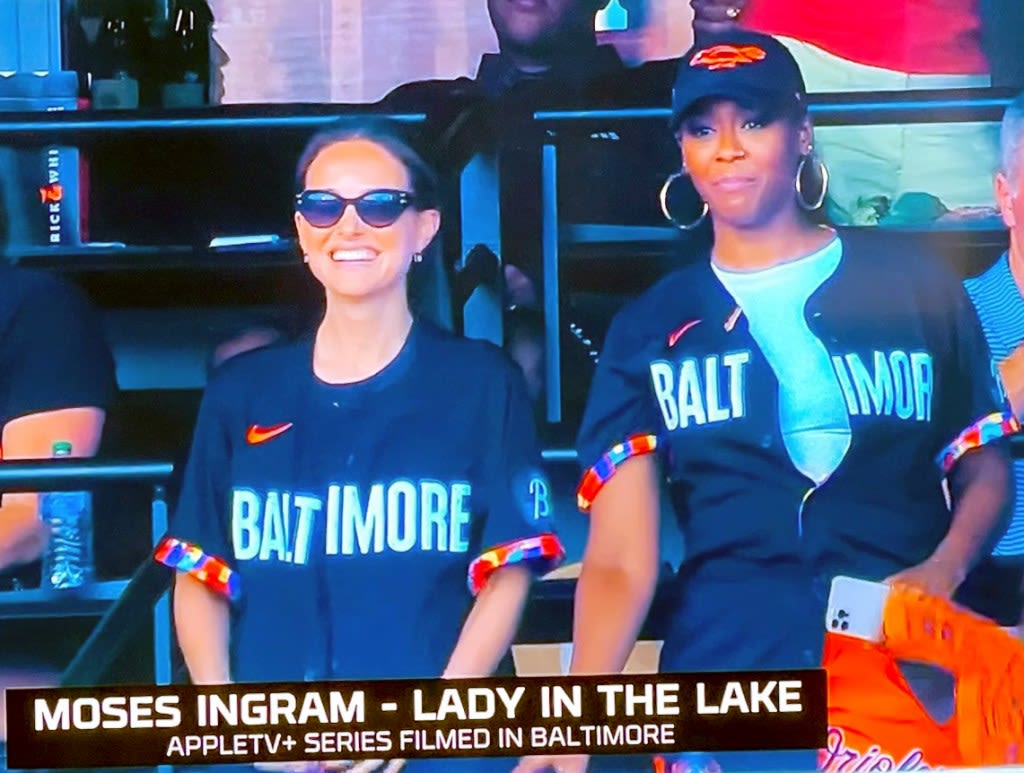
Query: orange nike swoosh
[[677, 334], [258, 434]]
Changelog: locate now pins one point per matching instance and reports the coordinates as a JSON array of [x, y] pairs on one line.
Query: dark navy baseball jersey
[[352, 524], [681, 375]]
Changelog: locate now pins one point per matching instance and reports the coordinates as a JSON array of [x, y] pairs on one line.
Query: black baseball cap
[[741, 65]]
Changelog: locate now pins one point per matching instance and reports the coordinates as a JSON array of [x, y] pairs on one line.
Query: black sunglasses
[[378, 209]]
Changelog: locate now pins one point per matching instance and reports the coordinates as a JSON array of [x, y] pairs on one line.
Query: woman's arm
[[982, 489], [620, 569], [201, 621], [616, 584], [23, 536], [488, 631]]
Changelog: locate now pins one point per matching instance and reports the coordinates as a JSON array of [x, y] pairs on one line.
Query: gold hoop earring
[[663, 200], [801, 199]]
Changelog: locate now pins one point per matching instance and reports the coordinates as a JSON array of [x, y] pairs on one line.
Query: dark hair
[[396, 138]]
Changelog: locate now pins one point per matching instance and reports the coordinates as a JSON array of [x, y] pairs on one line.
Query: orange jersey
[[921, 36], [877, 723]]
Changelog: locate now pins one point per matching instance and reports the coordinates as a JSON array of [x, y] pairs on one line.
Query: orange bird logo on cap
[[725, 57]]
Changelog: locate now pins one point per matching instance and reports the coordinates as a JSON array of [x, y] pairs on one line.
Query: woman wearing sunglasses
[[349, 495], [803, 393]]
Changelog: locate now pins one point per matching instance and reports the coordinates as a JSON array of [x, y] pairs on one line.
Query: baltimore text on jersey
[[397, 517]]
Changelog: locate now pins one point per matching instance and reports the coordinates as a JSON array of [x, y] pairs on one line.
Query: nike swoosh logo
[[675, 336], [258, 434]]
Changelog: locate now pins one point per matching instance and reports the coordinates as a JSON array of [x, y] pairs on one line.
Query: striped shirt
[[1000, 307]]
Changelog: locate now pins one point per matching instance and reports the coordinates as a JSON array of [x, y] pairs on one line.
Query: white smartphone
[[856, 608]]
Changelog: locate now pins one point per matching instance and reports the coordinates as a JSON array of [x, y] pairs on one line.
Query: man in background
[[997, 587], [549, 57], [542, 41], [57, 382], [247, 339], [548, 53]]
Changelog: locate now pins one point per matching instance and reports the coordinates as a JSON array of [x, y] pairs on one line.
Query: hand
[[558, 764], [714, 16], [23, 538], [936, 577], [520, 290]]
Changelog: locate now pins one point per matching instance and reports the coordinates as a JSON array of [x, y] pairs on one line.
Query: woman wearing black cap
[[803, 394]]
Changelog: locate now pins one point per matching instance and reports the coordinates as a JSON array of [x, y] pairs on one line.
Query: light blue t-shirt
[[813, 415], [1000, 308]]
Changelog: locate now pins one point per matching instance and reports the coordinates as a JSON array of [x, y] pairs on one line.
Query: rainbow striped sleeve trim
[[543, 553], [985, 430], [209, 570], [602, 472]]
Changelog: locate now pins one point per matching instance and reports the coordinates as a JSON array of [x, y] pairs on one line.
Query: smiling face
[[742, 163], [351, 259]]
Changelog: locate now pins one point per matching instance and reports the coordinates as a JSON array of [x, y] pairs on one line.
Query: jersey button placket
[[801, 511]]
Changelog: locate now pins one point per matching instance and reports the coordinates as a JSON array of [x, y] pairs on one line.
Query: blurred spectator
[[525, 344], [545, 41], [998, 587], [247, 339], [56, 384], [952, 44], [549, 55]]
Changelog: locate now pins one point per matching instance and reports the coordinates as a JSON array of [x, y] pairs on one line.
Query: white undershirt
[[813, 416]]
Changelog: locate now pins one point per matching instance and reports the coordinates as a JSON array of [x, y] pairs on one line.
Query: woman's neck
[[355, 341], [745, 249]]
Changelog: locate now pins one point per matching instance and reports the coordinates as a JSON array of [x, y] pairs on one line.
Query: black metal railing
[[33, 127], [125, 604], [72, 474], [839, 108]]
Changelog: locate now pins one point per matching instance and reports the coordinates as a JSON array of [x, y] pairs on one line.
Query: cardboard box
[[553, 659]]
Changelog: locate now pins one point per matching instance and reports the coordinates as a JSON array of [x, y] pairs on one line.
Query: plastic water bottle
[[68, 562]]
